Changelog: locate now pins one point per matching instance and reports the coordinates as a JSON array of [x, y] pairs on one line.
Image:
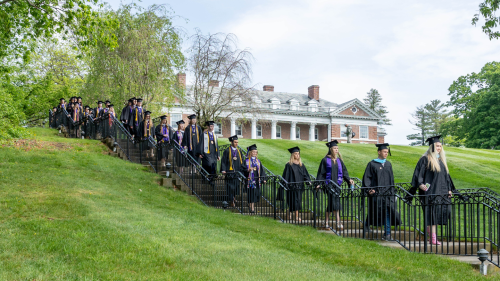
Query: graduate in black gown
[[256, 176], [432, 180], [193, 139], [135, 119], [87, 125], [146, 130], [60, 117], [163, 134], [52, 118], [332, 168], [177, 137], [232, 163], [125, 114], [295, 174], [98, 112], [382, 200], [210, 154]]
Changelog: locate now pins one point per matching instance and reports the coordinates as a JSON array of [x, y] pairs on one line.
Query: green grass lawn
[[70, 212], [469, 168]]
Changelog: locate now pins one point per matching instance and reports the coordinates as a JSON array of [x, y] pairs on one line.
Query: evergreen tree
[[428, 120], [374, 101], [421, 123]]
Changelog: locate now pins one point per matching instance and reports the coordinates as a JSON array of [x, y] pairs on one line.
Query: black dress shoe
[[367, 229]]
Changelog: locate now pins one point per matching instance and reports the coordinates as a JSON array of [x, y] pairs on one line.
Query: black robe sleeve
[[345, 173], [321, 175], [224, 163], [368, 176], [158, 133], [185, 140], [288, 173], [418, 175], [305, 173]]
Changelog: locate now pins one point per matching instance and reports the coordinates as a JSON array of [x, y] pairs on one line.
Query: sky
[[410, 52]]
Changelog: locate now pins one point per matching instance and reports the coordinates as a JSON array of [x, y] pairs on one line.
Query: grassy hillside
[[70, 212], [468, 167]]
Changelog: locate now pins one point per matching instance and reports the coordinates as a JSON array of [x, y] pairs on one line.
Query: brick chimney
[[313, 92], [181, 80], [213, 83], [268, 88]]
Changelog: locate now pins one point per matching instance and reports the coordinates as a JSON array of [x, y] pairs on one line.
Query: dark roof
[[285, 97]]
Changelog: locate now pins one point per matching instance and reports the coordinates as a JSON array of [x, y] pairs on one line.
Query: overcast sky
[[409, 52]]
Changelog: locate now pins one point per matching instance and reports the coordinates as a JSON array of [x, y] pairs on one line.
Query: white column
[[311, 131], [233, 126], [329, 132], [293, 129], [254, 128], [273, 129]]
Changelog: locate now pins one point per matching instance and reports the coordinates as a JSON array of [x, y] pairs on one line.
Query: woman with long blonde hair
[[295, 174], [332, 168], [435, 186]]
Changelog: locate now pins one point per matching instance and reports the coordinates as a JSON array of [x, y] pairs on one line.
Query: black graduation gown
[[139, 112], [436, 203], [254, 193], [162, 144], [295, 175], [333, 199], [193, 142], [232, 167], [145, 143], [209, 160], [98, 116], [177, 136], [124, 116], [59, 116], [384, 200]]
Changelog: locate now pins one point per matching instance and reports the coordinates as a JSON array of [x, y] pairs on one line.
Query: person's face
[[139, 103], [382, 154], [235, 143], [134, 102], [129, 103], [193, 121], [164, 121], [148, 117], [181, 127], [79, 100], [438, 147], [336, 150], [253, 153], [211, 128], [99, 105], [296, 155], [86, 110]]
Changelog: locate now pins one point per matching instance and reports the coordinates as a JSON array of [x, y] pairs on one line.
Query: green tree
[[145, 62], [475, 114], [374, 101], [487, 10], [421, 123], [428, 120], [22, 22]]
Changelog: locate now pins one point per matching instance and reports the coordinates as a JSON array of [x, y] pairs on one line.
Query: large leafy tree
[[22, 22], [374, 101], [145, 62], [475, 113]]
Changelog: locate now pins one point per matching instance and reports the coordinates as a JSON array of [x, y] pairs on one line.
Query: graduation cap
[[110, 105], [209, 123], [55, 107], [192, 116], [433, 140], [99, 102], [80, 98], [294, 149], [383, 146], [163, 117], [87, 107], [332, 143], [61, 99], [180, 122], [147, 113], [107, 101], [252, 147], [133, 98], [139, 100], [233, 138]]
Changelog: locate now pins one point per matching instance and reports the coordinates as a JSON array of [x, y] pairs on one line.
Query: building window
[[316, 133], [218, 129], [259, 131], [173, 120], [237, 130], [278, 131], [363, 132], [342, 131], [297, 133]]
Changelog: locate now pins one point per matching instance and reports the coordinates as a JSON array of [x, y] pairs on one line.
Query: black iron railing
[[464, 223]]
